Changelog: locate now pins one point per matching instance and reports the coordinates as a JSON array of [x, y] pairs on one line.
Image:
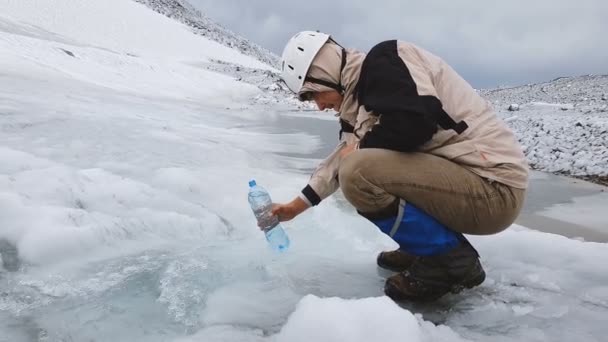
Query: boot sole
[[399, 295], [389, 268], [470, 283]]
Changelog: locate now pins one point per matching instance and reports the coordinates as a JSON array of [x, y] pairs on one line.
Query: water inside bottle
[[277, 239]]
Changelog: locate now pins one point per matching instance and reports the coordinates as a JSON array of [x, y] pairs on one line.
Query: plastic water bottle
[[261, 204]]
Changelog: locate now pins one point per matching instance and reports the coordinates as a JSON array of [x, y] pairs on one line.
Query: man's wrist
[[304, 199], [300, 205]]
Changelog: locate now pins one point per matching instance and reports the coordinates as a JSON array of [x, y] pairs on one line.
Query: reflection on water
[[9, 256]]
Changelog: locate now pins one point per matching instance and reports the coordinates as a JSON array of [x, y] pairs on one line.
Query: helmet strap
[[343, 64], [331, 85]]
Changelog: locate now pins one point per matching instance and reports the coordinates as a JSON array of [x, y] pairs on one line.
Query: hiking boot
[[396, 261], [431, 277]]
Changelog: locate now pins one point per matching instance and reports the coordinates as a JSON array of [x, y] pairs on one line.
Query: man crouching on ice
[[421, 155]]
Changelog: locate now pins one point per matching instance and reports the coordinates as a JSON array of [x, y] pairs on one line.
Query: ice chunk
[[369, 319]]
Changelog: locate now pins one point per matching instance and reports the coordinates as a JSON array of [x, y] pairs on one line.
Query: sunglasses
[[306, 96]]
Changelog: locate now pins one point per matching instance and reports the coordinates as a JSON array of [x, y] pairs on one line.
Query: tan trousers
[[373, 180]]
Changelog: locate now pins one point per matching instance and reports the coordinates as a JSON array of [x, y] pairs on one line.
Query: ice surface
[[586, 210], [123, 210]]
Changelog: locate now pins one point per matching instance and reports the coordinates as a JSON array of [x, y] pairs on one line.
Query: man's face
[[328, 100]]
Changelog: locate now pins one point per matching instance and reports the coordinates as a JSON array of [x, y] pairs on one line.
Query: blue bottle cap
[[252, 183]]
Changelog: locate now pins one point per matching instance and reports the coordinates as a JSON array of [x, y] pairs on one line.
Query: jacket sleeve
[[406, 120], [324, 180]]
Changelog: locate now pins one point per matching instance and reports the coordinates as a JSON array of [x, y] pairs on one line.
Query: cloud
[[489, 43]]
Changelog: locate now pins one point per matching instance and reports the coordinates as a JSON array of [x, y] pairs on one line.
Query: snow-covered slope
[[562, 124], [182, 11], [98, 26], [116, 44]]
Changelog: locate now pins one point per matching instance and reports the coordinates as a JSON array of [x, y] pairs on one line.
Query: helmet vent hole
[[299, 48], [299, 77], [290, 67]]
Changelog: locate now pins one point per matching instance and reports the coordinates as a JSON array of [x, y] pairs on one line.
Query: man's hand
[[288, 211]]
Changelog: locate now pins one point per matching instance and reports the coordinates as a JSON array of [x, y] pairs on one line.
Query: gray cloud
[[489, 43]]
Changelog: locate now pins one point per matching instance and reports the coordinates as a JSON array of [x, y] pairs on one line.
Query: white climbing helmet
[[298, 56]]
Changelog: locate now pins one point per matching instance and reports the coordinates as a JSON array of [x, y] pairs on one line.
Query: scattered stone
[[68, 52], [514, 107]]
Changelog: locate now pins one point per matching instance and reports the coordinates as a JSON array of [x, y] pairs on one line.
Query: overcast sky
[[489, 43]]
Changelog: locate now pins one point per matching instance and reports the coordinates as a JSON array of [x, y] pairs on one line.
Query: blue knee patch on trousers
[[418, 233]]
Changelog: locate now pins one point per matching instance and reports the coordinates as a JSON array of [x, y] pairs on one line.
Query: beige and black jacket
[[402, 97]]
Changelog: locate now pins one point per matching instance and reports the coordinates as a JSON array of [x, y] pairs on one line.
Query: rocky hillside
[[582, 94], [562, 124], [182, 11]]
